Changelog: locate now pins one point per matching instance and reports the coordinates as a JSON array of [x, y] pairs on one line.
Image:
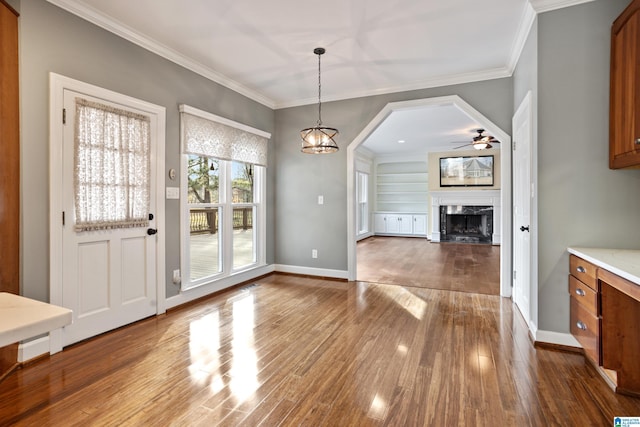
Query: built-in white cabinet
[[401, 224], [420, 224]]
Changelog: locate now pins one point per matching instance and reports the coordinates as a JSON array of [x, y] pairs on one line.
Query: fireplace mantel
[[466, 198]]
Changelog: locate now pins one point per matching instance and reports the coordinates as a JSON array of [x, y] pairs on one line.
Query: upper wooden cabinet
[[624, 109], [9, 168]]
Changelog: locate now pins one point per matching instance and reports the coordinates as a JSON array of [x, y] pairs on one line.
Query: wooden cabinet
[[9, 168], [585, 321], [605, 314], [624, 108]]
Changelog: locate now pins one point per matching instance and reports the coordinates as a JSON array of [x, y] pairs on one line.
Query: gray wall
[[302, 224], [525, 79], [581, 201], [52, 40]]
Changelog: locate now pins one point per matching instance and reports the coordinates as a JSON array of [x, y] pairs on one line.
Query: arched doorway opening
[[505, 184]]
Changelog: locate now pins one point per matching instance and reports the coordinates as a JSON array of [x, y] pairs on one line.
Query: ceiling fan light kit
[[319, 139], [481, 142]]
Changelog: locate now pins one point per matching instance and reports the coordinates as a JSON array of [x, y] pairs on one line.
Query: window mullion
[[227, 235]]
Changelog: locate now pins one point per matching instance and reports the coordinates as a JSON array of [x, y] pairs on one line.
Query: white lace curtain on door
[[111, 167]]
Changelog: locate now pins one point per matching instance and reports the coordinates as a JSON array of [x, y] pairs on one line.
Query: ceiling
[[264, 49], [420, 130]]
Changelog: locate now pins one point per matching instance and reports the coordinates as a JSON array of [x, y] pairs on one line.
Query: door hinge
[[62, 217], [514, 145], [64, 116], [514, 276]]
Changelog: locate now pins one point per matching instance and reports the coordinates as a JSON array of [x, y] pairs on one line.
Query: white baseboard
[[557, 338], [310, 271], [204, 290], [32, 349]]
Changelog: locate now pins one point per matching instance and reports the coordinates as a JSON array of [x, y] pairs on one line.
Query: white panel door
[[522, 194], [109, 276], [393, 223], [405, 224], [380, 223], [420, 224]]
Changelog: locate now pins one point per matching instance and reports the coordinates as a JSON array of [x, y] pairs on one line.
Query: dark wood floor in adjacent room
[[292, 350], [416, 262]]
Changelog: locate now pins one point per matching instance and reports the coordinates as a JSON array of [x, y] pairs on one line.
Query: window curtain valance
[[205, 134]]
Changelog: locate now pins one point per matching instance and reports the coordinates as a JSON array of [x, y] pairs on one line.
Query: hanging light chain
[[319, 52]]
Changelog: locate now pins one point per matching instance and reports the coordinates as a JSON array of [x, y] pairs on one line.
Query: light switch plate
[[173, 193]]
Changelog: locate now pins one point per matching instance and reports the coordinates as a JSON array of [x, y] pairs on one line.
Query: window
[[223, 212], [362, 192], [244, 210], [203, 196], [111, 167]]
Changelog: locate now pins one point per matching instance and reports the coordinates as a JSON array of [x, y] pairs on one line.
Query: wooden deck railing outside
[[205, 220]]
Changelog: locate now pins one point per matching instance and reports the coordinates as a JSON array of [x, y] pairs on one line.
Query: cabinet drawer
[[586, 328], [583, 271], [584, 295]]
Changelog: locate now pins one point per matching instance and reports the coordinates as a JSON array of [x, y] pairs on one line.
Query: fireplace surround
[[463, 206]]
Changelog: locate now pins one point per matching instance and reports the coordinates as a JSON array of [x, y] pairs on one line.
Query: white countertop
[[622, 262], [22, 318]]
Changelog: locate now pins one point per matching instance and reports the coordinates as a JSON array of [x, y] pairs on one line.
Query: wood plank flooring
[[293, 350], [410, 261]]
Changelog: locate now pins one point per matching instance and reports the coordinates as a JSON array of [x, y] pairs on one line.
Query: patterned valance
[[208, 135]]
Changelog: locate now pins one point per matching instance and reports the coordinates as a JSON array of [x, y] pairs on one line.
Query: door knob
[[523, 228], [151, 231]]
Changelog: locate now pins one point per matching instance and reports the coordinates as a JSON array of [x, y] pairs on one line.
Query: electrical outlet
[[314, 253], [176, 276]]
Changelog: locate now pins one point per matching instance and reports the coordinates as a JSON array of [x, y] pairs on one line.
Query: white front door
[[108, 276], [522, 195]]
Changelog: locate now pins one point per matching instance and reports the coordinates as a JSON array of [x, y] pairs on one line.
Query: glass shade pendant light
[[319, 139]]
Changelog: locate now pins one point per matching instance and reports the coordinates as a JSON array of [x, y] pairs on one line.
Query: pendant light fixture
[[319, 139]]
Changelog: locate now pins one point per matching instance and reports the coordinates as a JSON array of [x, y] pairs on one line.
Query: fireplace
[[461, 204], [466, 224]]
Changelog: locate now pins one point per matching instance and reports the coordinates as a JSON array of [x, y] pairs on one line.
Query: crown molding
[[541, 6], [526, 23], [496, 73], [106, 22]]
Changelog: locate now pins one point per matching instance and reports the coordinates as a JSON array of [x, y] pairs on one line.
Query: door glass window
[[111, 173]]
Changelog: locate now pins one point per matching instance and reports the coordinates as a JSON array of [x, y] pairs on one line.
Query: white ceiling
[[264, 49], [424, 129]]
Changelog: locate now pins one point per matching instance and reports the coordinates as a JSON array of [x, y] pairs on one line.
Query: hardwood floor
[[293, 350], [409, 261]]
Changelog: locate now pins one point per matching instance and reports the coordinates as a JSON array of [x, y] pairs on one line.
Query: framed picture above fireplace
[[466, 171]]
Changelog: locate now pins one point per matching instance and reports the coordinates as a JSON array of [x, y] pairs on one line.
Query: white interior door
[[522, 195], [108, 276]]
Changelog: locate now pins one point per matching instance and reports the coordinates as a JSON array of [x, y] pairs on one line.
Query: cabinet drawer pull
[[581, 269], [581, 325], [637, 141], [580, 292]]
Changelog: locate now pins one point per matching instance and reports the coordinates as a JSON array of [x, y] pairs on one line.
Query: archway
[[505, 183]]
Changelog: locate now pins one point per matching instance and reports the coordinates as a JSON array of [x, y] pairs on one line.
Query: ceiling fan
[[481, 142]]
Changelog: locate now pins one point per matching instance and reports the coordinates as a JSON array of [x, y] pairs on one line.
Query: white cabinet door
[[420, 224], [405, 224], [380, 223], [393, 223]]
